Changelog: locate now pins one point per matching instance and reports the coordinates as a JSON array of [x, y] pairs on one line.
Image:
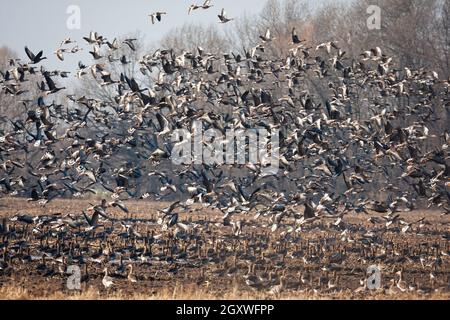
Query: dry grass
[[181, 292], [157, 283]]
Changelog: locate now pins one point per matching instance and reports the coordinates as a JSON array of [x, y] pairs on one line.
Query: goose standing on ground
[[4, 226], [401, 284], [107, 281], [131, 277], [279, 288]]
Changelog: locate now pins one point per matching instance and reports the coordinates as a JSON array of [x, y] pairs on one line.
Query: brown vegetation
[[202, 273]]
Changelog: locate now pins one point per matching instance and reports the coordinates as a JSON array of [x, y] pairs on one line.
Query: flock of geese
[[333, 161]]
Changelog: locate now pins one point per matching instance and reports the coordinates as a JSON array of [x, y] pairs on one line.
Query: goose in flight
[[295, 37], [193, 7], [376, 52], [119, 204], [51, 85], [35, 59], [156, 15], [266, 37], [99, 210], [59, 53], [67, 41], [94, 38], [223, 17], [206, 5], [114, 45], [327, 46], [130, 43], [96, 53], [93, 220]]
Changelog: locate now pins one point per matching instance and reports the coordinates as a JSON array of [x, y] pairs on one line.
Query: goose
[[156, 15], [4, 226], [59, 53], [363, 286], [279, 288], [376, 52], [96, 53], [266, 37], [106, 77], [66, 41], [97, 212], [107, 281], [131, 278], [130, 43], [310, 211], [223, 17], [250, 278], [432, 279], [305, 278], [34, 59], [163, 123], [130, 231], [327, 46], [93, 221], [193, 7], [319, 140], [207, 4], [237, 227], [51, 85], [94, 38], [401, 284], [75, 49], [119, 204], [413, 286], [25, 218], [295, 37], [333, 284]]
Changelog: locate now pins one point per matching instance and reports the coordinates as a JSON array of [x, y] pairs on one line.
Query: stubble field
[[200, 258]]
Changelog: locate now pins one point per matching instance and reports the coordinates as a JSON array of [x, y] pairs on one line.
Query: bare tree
[[191, 36], [122, 61], [6, 99], [441, 37], [280, 17], [16, 105]]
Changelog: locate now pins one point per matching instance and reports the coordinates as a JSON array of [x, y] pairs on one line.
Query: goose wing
[[30, 54]]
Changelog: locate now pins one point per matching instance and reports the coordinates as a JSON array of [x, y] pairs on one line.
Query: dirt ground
[[208, 261]]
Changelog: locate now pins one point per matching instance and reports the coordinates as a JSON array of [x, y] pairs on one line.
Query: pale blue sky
[[42, 24]]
